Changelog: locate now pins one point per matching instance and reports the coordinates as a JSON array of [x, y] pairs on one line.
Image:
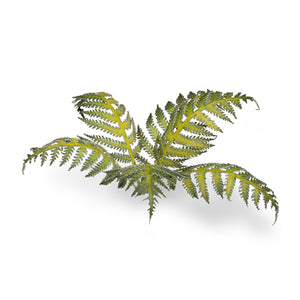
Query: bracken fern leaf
[[100, 111], [65, 148], [191, 114], [247, 183], [182, 130]]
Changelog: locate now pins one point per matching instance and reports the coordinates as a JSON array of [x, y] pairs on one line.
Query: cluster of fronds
[[152, 162]]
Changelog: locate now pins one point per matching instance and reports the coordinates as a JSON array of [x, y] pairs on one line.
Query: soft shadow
[[89, 189], [220, 213]]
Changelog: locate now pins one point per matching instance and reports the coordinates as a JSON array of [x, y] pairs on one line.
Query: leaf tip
[[258, 108], [276, 215]]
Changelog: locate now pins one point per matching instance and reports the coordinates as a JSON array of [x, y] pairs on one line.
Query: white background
[[65, 237]]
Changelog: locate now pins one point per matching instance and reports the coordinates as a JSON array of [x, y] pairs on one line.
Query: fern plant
[[150, 163]]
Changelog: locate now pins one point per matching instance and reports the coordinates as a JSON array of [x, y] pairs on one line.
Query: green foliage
[[182, 130], [224, 178], [146, 179], [78, 151]]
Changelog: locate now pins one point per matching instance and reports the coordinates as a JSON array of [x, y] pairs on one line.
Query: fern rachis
[[178, 132]]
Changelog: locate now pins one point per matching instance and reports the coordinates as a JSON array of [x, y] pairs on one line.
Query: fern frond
[[54, 155], [100, 111], [80, 154], [141, 159], [247, 183], [99, 167], [152, 129], [66, 147], [230, 183], [192, 114], [169, 107], [217, 182], [121, 157], [66, 154], [111, 143], [198, 128], [100, 114], [183, 152], [205, 119], [146, 180], [107, 128], [91, 160], [200, 177], [174, 162], [180, 131], [193, 142], [161, 118], [144, 142], [189, 186]]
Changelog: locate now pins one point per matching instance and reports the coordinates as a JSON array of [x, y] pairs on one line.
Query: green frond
[[137, 149], [218, 111], [122, 183], [180, 99], [255, 196], [191, 96], [200, 177], [230, 183], [107, 128], [99, 111], [161, 118], [99, 167], [227, 107], [141, 159], [54, 155], [175, 121], [152, 129], [132, 136], [121, 157], [189, 108], [74, 150], [66, 154], [125, 158], [247, 183], [169, 107], [237, 103], [110, 176], [198, 128], [80, 154], [111, 143], [127, 122], [217, 182], [148, 180], [159, 147], [205, 119], [183, 152], [43, 156], [174, 162], [180, 131], [120, 110], [100, 114], [93, 99], [91, 160], [193, 141], [189, 186], [244, 189], [144, 142], [192, 114], [171, 182]]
